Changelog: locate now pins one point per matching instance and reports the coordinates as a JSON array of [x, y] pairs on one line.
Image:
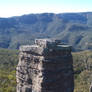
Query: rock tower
[[46, 66]]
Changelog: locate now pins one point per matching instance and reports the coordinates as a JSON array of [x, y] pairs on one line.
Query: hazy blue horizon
[[9, 8], [42, 13]]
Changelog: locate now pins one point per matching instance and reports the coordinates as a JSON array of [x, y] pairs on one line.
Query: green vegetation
[[83, 70], [9, 60]]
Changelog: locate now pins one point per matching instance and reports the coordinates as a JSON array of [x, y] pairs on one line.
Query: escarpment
[[46, 66]]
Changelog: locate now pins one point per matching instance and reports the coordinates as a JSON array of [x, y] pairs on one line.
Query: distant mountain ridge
[[71, 28]]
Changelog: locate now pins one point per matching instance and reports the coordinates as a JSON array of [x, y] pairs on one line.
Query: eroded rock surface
[[46, 66]]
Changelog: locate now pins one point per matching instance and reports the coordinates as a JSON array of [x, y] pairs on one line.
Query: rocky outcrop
[[46, 66], [90, 89]]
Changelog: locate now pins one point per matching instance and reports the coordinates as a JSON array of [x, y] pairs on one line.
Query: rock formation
[[90, 89], [46, 66]]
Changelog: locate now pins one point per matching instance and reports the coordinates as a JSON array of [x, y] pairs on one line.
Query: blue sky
[[19, 7]]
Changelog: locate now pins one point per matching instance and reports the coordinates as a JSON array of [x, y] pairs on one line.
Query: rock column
[[46, 66]]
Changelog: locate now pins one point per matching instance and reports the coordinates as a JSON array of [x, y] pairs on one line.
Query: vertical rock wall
[[46, 66]]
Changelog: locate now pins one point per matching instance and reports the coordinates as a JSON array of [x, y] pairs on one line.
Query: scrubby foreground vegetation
[[9, 60], [82, 70]]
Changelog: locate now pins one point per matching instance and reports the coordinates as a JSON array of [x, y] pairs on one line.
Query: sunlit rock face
[[46, 66]]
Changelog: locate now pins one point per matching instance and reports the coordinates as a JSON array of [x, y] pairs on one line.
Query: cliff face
[[45, 67]]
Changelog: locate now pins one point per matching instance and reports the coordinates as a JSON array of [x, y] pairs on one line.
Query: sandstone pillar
[[46, 66]]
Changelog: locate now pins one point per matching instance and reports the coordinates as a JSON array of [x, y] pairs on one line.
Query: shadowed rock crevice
[[46, 66]]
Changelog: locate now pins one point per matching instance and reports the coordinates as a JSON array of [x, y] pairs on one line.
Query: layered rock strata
[[46, 66]]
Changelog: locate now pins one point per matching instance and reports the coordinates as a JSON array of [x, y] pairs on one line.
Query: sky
[[10, 8]]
